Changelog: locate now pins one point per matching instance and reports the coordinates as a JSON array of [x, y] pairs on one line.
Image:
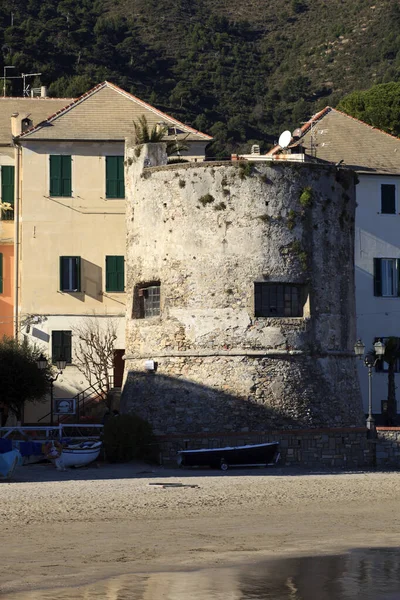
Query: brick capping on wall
[[388, 429], [325, 430]]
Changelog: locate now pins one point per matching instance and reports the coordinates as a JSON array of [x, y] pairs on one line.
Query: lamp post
[[42, 363], [370, 361]]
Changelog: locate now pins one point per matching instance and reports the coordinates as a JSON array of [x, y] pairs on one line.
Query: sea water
[[364, 574]]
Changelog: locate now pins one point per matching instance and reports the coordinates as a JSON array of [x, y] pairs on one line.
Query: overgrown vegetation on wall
[[239, 71]]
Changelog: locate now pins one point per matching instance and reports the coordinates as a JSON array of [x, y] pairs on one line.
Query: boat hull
[[78, 456], [222, 458], [8, 463]]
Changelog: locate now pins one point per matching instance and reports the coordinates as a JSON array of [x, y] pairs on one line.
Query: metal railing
[[92, 394], [54, 431], [7, 215]]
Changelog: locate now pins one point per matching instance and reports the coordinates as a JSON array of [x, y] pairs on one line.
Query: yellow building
[[72, 225], [23, 112]]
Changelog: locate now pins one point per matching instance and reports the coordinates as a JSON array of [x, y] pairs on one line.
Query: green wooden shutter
[[78, 273], [115, 276], [377, 277], [55, 175], [7, 185], [120, 174], [66, 184], [111, 177], [1, 273], [66, 346], [60, 176], [61, 273], [115, 184], [56, 343]]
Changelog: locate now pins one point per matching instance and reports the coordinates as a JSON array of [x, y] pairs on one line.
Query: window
[[149, 301], [382, 366], [388, 199], [386, 277], [115, 274], [115, 185], [278, 300], [1, 273], [70, 273], [7, 192], [60, 176], [61, 346]]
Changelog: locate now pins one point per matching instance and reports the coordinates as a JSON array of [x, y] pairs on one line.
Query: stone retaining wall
[[314, 448], [387, 447]]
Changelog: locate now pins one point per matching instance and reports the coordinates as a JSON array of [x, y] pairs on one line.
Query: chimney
[[43, 91]]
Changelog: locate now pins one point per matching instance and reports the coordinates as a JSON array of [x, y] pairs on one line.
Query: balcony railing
[[7, 215]]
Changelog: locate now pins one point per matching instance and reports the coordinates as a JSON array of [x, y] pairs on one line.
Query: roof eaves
[[314, 119], [63, 110], [156, 111]]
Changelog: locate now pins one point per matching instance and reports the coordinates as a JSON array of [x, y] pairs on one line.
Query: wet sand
[[64, 529]]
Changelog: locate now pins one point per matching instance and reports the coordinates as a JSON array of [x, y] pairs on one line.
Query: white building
[[334, 137]]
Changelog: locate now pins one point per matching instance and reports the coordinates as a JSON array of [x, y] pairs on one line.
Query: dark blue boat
[[256, 455]]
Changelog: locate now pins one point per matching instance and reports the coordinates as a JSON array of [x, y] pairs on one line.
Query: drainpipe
[[18, 153]]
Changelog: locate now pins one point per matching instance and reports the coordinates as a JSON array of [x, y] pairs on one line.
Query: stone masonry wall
[[206, 232], [339, 448], [387, 447]]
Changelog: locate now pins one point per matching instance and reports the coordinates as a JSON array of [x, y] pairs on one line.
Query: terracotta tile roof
[[106, 112], [332, 136], [38, 110]]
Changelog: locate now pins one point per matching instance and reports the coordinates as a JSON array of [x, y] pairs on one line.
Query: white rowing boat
[[79, 455]]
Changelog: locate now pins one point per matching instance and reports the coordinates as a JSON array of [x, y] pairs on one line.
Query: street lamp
[[370, 361], [42, 363]]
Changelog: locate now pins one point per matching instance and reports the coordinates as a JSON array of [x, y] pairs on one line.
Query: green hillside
[[241, 71]]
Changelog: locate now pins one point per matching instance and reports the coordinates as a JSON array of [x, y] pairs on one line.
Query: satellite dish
[[297, 133], [285, 139]]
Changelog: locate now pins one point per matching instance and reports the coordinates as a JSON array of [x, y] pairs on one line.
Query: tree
[[94, 354], [379, 106], [21, 380]]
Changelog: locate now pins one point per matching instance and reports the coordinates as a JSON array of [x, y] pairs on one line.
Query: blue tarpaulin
[[5, 445]]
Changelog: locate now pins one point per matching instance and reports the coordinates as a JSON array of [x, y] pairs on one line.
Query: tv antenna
[[285, 139], [26, 87]]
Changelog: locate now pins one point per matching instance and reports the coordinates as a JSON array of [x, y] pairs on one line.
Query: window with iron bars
[[149, 301]]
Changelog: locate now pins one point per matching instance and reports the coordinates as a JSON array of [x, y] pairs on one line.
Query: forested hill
[[239, 70]]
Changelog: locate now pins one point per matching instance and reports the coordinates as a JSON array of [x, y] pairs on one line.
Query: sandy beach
[[70, 528]]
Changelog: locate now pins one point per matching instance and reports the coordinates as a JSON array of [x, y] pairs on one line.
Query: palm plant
[[145, 135]]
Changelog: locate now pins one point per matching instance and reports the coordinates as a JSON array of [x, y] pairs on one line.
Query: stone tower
[[240, 282]]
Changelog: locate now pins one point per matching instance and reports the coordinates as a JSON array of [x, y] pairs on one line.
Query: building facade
[[333, 137], [72, 226]]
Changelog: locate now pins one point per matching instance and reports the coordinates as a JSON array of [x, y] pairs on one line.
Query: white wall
[[376, 236]]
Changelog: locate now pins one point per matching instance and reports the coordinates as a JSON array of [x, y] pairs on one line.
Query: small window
[[386, 277], [115, 275], [7, 193], [60, 176], [278, 300], [149, 301], [115, 184], [61, 346], [388, 199], [70, 273], [382, 366], [1, 273]]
